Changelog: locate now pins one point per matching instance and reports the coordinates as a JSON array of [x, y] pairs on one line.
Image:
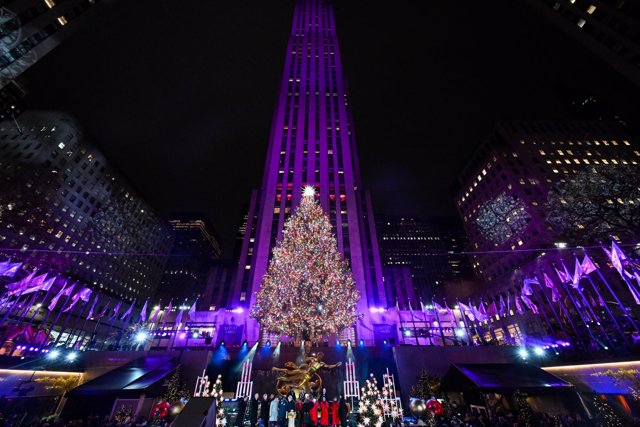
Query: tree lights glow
[[502, 218], [308, 290]]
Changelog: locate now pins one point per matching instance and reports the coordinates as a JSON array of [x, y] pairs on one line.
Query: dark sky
[[179, 94]]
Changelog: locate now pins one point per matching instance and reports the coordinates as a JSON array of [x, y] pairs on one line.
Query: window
[[591, 9], [581, 23]]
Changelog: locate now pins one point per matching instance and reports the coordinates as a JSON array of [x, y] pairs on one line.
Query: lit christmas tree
[[525, 413], [308, 290], [605, 415], [370, 409], [221, 420]]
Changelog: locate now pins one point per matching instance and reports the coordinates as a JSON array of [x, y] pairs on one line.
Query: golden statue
[[302, 378]]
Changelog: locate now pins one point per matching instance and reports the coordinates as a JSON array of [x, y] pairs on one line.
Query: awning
[[139, 374], [589, 378], [502, 378]]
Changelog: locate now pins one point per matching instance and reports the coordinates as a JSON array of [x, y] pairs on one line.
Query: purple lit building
[[312, 142]]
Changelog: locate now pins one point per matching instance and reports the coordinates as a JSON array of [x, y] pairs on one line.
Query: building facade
[[502, 191], [66, 209], [431, 247], [609, 29], [195, 247], [29, 29], [312, 143]]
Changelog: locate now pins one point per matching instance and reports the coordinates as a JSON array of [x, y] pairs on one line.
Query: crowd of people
[[289, 411]]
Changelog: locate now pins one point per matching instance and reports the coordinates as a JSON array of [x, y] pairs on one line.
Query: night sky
[[180, 94]]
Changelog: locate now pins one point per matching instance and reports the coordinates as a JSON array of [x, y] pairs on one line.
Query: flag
[[440, 308], [179, 320], [527, 301], [40, 284], [104, 310], [565, 277], [555, 295], [83, 294], [508, 303], [95, 300], [617, 257], [503, 307], [153, 316], [634, 291], [577, 274], [17, 287], [477, 313], [466, 310], [143, 312], [116, 309], [192, 310], [397, 305], [128, 312], [62, 292], [9, 269], [587, 265], [492, 310], [169, 307], [526, 286], [482, 309], [518, 305]]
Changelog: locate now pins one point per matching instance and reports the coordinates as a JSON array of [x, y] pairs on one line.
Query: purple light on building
[[312, 142]]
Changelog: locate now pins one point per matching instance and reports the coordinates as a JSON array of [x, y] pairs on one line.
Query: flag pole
[[75, 323], [64, 325], [466, 325], [84, 332], [126, 323], [544, 312], [567, 314], [444, 343], [553, 310]]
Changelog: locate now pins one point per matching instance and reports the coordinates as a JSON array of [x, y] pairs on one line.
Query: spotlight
[[268, 343], [53, 355], [349, 343], [141, 336], [539, 351], [194, 335], [244, 344], [183, 335], [72, 356], [337, 343], [460, 332], [407, 333], [523, 353], [361, 343], [221, 343], [384, 342]]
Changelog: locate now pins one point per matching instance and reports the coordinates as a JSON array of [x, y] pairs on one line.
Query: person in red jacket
[[314, 413], [335, 415], [324, 412]]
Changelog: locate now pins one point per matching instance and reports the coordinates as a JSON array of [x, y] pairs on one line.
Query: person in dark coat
[[242, 408], [264, 410], [342, 411], [253, 410], [282, 411], [307, 406]]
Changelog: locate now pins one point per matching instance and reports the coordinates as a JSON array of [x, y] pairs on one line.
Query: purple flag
[[164, 318], [179, 320], [9, 269], [62, 292], [565, 277], [527, 301], [617, 256], [577, 274], [93, 305], [192, 311], [587, 265], [39, 284], [503, 307], [555, 295], [104, 310], [143, 312], [17, 287], [518, 305], [466, 310], [526, 286], [128, 312], [154, 314], [116, 309], [83, 294]]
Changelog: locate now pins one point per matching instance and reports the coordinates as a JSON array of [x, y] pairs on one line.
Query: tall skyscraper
[[313, 143], [608, 28], [65, 209], [29, 29], [430, 247], [195, 247], [502, 191]]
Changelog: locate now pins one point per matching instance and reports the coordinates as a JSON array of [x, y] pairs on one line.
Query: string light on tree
[[221, 420], [370, 408], [502, 218], [308, 290]]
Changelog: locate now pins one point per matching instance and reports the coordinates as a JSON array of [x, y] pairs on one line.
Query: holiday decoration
[[308, 290], [216, 393], [177, 392], [370, 409], [525, 413], [604, 414], [629, 378], [502, 218], [160, 410], [426, 386], [391, 403], [123, 414]]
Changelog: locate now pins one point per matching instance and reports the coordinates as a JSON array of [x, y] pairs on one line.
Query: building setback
[[65, 209], [313, 143]]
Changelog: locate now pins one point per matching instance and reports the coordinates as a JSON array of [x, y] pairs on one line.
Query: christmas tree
[[370, 410], [605, 415], [426, 386], [525, 413], [221, 420], [176, 390], [308, 290]]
